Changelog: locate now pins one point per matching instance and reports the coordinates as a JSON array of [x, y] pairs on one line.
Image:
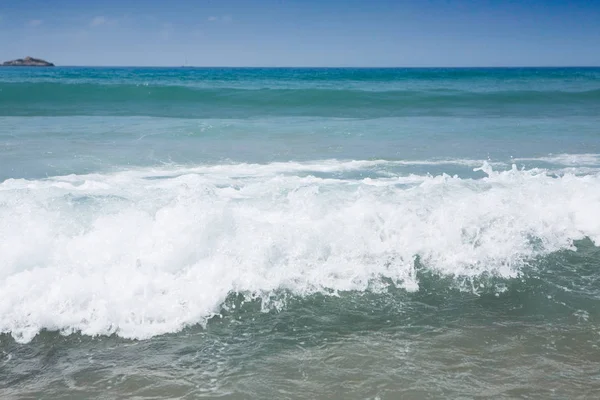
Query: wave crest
[[150, 251]]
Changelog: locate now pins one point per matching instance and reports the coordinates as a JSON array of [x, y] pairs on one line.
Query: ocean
[[287, 233]]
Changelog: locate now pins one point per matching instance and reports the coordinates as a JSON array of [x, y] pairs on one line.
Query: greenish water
[[299, 233]]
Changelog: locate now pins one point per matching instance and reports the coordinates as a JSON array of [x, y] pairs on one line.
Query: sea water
[[299, 233]]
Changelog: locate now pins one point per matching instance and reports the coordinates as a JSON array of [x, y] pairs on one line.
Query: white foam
[[320, 166], [572, 160], [149, 251]]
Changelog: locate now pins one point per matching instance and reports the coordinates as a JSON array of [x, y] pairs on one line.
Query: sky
[[319, 33]]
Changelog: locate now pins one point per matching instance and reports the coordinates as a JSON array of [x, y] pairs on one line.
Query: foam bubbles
[[567, 159], [149, 251]]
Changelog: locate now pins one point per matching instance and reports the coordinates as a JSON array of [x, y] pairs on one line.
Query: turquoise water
[[299, 233]]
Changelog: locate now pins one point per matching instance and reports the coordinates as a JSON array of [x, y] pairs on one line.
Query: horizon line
[[305, 67]]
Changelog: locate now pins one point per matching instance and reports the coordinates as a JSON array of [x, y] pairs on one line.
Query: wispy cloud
[[34, 22], [224, 18], [99, 20]]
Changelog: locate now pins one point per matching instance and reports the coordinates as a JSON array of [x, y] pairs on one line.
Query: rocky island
[[27, 62]]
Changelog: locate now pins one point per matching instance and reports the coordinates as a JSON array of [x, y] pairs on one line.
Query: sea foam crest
[[149, 251], [574, 160]]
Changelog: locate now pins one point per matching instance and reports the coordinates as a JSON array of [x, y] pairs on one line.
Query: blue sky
[[303, 33]]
